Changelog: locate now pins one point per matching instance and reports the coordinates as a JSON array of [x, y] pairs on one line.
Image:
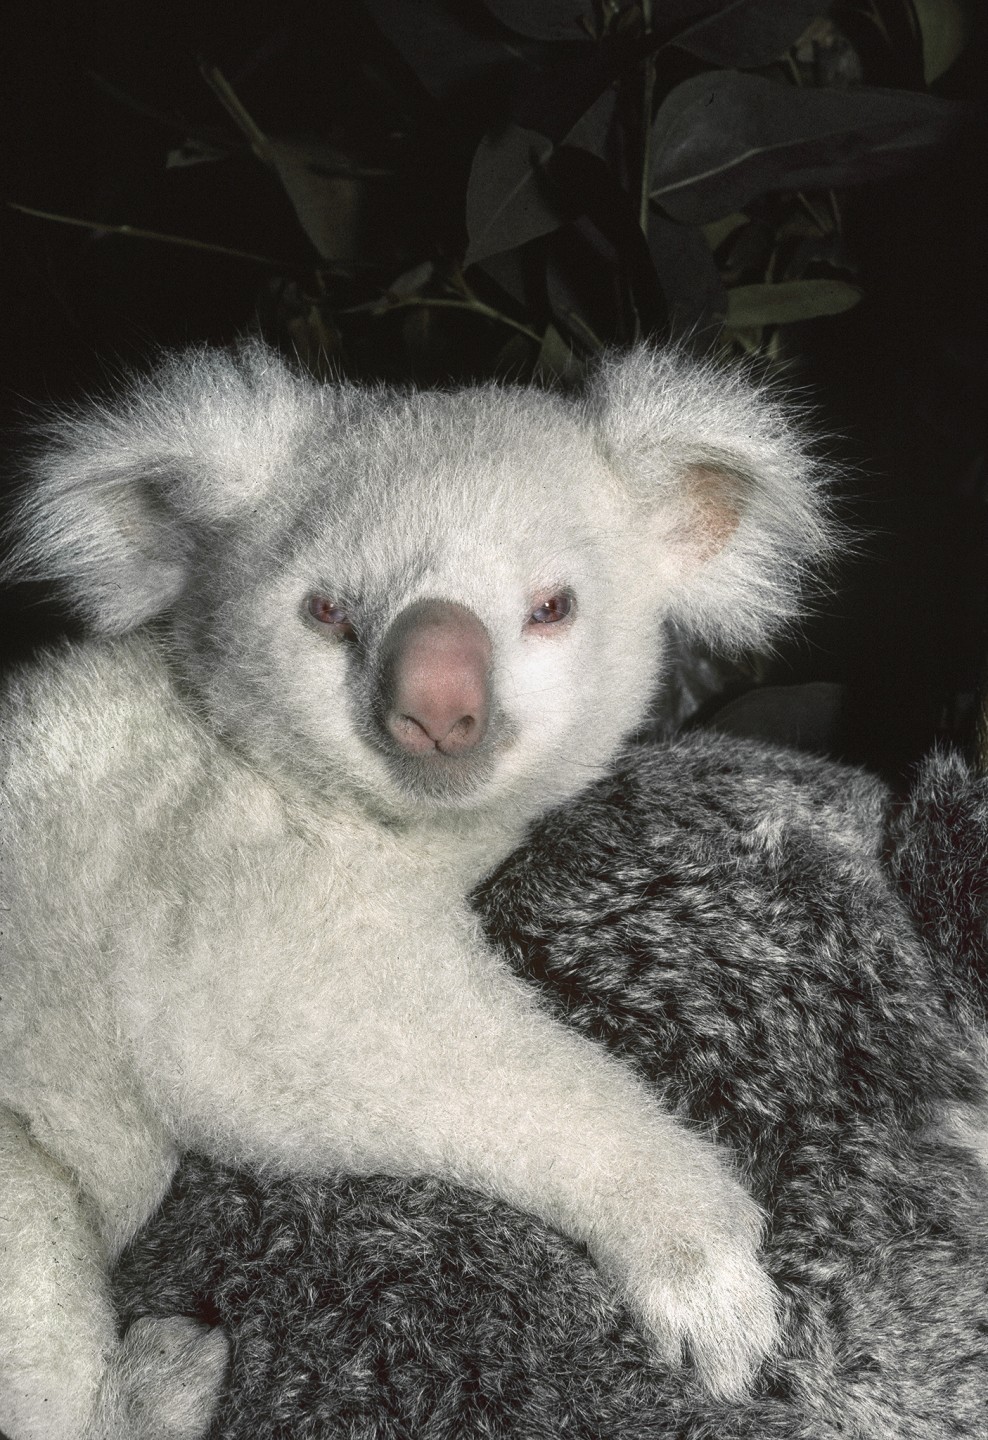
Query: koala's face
[[441, 601], [438, 605]]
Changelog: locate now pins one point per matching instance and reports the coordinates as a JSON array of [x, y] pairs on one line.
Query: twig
[[573, 320], [476, 307], [134, 232], [648, 96], [221, 88]]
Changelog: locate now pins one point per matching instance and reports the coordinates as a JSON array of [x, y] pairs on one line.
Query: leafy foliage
[[523, 182]]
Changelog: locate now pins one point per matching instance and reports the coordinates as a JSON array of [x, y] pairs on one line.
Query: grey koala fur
[[347, 644], [938, 852], [792, 960]]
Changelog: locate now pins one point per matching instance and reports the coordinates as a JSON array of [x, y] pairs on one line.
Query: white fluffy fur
[[232, 924]]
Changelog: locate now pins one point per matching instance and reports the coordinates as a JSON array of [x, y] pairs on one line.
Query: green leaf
[[412, 282], [508, 201], [554, 20], [327, 205], [556, 360], [747, 33], [513, 362], [720, 139], [750, 306], [448, 45], [194, 152], [945, 26], [717, 231], [693, 290]]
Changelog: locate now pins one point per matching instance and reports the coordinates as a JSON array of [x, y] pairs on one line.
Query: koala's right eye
[[331, 616]]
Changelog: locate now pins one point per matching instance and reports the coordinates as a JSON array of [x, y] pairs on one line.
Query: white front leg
[[417, 1051], [63, 1373]]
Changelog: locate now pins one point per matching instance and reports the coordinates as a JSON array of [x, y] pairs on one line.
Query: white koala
[[348, 644]]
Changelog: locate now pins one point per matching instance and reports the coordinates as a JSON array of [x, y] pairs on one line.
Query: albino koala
[[348, 643]]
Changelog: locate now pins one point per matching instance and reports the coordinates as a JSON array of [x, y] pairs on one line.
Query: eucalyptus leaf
[[717, 231], [194, 152], [508, 201], [747, 32], [552, 20], [570, 82], [808, 253], [445, 45], [681, 12], [803, 717], [945, 26], [750, 306], [327, 206], [556, 360], [587, 186], [507, 270], [513, 362], [594, 126], [721, 139], [507, 204], [689, 278], [412, 282], [583, 288]]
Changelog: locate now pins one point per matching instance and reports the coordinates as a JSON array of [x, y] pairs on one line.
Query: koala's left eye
[[335, 618], [553, 609]]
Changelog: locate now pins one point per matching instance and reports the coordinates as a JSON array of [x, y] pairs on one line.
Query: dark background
[[899, 379]]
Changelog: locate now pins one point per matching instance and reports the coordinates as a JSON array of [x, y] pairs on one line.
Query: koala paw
[[696, 1279], [718, 1303], [166, 1381]]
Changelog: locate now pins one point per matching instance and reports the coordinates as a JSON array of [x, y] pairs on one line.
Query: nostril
[[461, 736], [427, 732], [410, 734]]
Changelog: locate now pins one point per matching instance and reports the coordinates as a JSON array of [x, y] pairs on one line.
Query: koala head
[[429, 601]]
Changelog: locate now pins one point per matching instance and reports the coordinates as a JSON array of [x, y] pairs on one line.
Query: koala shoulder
[[768, 792], [86, 709], [704, 793], [95, 745]]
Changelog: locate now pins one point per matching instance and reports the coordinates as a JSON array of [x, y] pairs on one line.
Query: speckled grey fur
[[798, 965]]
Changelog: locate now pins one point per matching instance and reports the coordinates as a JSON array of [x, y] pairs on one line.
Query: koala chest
[[259, 982], [255, 978]]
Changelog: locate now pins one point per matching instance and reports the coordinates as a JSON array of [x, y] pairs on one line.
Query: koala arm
[[82, 1161], [63, 1373], [413, 1050]]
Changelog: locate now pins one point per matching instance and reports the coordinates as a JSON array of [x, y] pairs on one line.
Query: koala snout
[[434, 667]]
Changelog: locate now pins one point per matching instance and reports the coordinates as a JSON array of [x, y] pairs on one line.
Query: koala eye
[[553, 609], [334, 618]]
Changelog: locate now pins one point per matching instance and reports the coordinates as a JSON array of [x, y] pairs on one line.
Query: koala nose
[[434, 675]]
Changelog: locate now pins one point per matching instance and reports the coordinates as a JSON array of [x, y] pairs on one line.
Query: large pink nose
[[434, 669]]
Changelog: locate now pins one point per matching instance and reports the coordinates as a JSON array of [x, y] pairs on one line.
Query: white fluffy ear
[[122, 494], [729, 508]]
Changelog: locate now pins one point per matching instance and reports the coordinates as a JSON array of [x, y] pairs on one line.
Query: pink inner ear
[[713, 498]]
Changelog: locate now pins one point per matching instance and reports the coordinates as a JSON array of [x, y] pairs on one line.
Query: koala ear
[[121, 495], [728, 504]]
